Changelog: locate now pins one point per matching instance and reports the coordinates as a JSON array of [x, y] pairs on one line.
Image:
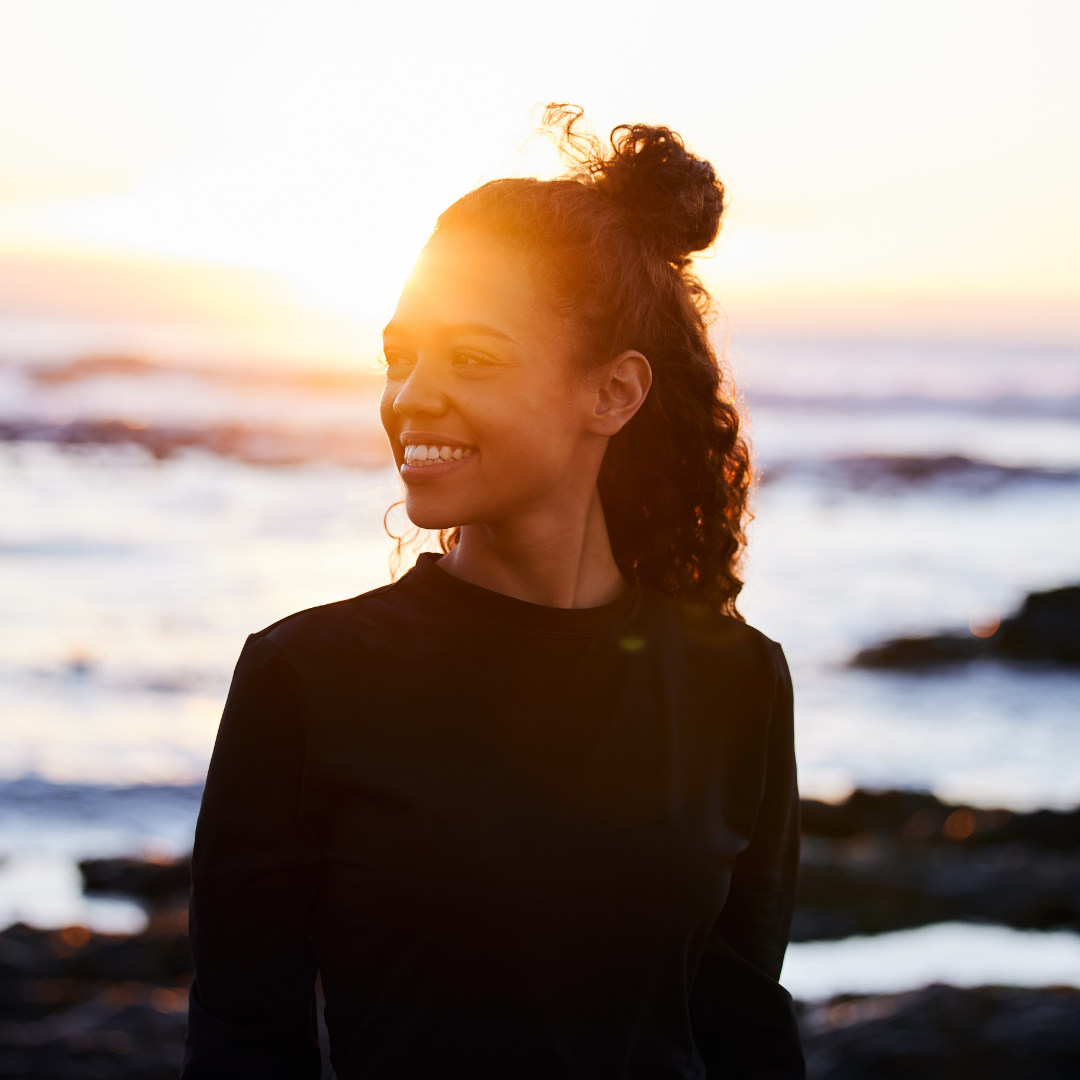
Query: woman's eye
[[466, 359], [395, 360]]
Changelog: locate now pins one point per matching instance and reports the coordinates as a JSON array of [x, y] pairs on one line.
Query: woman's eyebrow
[[455, 330], [479, 329]]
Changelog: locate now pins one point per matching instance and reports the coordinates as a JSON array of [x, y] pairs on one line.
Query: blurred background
[[206, 213]]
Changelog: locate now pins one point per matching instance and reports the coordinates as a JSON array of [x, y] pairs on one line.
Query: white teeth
[[423, 455]]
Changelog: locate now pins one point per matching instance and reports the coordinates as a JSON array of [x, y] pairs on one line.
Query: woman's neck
[[558, 560]]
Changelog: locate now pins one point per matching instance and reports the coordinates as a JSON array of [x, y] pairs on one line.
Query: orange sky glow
[[271, 169]]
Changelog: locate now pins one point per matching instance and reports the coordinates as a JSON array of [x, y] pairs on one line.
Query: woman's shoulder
[[712, 634], [342, 626]]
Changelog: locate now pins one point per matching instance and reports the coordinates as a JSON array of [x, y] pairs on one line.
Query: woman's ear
[[624, 384]]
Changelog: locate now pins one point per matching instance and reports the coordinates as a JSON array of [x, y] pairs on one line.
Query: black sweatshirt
[[517, 842]]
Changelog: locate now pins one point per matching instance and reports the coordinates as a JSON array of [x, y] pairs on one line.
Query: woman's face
[[485, 407]]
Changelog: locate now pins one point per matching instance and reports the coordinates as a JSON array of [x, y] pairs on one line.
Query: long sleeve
[[254, 875], [742, 1018]]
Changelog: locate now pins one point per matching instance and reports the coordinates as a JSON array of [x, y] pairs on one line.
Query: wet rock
[[943, 1033], [76, 1004], [894, 860], [867, 812], [918, 817], [118, 1033], [871, 885], [137, 878], [923, 652], [42, 970], [1046, 628]]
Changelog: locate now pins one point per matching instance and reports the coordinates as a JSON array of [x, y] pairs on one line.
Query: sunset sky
[[900, 166]]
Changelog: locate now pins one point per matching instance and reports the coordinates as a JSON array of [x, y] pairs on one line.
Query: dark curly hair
[[611, 245]]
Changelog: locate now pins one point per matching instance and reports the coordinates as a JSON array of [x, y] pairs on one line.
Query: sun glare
[[320, 145]]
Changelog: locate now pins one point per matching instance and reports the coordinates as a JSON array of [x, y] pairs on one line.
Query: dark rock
[[75, 1004], [942, 1033], [42, 970], [137, 878], [867, 812], [1046, 628], [893, 860], [922, 652], [871, 885], [134, 1033], [918, 817], [1050, 828]]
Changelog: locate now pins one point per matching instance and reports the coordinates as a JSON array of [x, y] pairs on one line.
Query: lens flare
[[984, 624]]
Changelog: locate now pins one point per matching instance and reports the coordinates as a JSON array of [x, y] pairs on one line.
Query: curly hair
[[610, 244]]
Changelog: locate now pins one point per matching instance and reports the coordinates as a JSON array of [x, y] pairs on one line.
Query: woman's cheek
[[386, 409]]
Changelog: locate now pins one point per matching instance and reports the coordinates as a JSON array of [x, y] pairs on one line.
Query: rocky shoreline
[[1046, 628], [942, 1033], [76, 1005], [897, 860]]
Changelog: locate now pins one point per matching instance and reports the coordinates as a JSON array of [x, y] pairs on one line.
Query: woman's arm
[[743, 1020], [254, 873]]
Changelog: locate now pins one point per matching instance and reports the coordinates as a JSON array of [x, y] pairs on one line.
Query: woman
[[530, 811]]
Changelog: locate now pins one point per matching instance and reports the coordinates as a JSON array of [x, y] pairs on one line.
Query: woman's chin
[[427, 511]]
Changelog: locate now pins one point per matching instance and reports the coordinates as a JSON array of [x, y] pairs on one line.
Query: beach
[[154, 515]]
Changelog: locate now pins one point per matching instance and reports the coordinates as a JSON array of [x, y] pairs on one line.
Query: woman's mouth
[[420, 456], [431, 461]]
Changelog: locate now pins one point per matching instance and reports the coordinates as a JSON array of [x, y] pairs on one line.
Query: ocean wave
[[34, 795], [70, 548], [178, 681], [846, 389], [96, 367], [1057, 407], [358, 448], [182, 681], [883, 473]]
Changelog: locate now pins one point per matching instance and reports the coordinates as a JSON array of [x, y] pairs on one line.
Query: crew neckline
[[521, 614]]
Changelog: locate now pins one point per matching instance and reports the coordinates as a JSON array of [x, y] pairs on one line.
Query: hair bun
[[673, 199]]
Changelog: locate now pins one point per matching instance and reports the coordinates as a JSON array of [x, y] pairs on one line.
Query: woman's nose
[[420, 395]]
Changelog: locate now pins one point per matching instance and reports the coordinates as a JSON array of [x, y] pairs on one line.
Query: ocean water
[[959, 954], [151, 517]]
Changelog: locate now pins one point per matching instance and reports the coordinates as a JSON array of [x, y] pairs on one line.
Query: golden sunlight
[[886, 168]]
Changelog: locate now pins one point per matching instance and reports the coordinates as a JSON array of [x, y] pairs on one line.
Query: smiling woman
[[475, 364], [566, 318], [531, 810]]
